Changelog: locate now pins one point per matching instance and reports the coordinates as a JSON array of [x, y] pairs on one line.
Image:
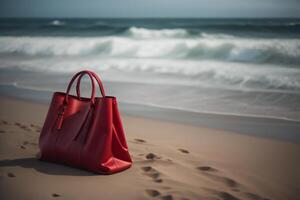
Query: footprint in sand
[[152, 193], [35, 127], [26, 143], [140, 140], [147, 168], [11, 175], [25, 128], [183, 151], [225, 195], [167, 197], [152, 156], [156, 193], [4, 122], [29, 143], [158, 180], [22, 126], [55, 195], [227, 181], [222, 195], [206, 169], [254, 196], [153, 173], [38, 130]]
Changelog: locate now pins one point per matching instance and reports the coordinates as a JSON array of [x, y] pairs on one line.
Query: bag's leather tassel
[[60, 119]]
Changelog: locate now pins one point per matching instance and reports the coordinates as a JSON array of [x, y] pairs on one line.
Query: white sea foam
[[170, 71], [227, 49], [143, 33], [57, 23], [207, 59]]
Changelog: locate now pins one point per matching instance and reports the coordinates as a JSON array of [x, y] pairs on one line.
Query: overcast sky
[[150, 8]]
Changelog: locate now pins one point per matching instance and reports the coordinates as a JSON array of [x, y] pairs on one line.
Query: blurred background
[[227, 57]]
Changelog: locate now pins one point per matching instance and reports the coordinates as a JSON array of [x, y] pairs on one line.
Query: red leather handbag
[[85, 133]]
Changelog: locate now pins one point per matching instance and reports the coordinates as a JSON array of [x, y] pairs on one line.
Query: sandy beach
[[171, 161]]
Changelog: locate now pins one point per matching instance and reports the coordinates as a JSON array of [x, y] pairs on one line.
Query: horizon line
[[31, 17]]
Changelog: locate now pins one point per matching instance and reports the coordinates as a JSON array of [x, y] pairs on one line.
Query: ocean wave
[[183, 27], [57, 23], [144, 33], [214, 74], [229, 49]]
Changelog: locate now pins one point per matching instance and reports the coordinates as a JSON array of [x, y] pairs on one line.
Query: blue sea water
[[248, 67]]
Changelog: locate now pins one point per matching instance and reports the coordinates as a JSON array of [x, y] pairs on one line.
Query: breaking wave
[[206, 47], [144, 33]]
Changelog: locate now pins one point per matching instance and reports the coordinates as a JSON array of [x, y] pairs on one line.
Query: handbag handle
[[81, 73], [60, 118], [101, 87]]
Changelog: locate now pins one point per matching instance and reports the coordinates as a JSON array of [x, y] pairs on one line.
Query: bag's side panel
[[117, 156], [48, 134], [119, 146], [97, 148]]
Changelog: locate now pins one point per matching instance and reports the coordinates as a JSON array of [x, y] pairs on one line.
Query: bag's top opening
[[84, 98]]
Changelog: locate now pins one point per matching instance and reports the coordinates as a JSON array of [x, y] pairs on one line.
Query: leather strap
[[100, 84], [60, 117], [80, 74]]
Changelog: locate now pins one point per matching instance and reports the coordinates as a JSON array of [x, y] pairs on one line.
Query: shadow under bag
[[85, 133]]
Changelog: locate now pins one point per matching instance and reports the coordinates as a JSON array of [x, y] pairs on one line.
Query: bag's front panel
[[59, 145], [68, 146], [49, 133]]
